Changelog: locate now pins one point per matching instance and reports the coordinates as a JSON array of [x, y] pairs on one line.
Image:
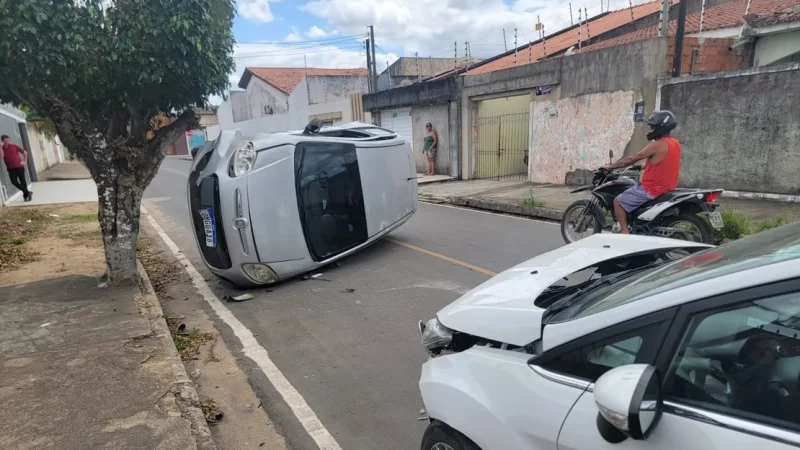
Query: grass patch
[[776, 222], [735, 224], [80, 218], [187, 341], [531, 202], [17, 227]]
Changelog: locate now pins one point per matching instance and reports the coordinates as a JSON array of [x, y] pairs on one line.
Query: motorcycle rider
[[661, 170]]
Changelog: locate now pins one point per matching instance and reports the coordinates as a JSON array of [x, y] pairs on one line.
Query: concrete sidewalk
[[68, 182], [68, 170], [84, 366], [548, 201]]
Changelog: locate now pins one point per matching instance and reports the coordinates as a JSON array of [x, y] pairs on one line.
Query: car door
[[732, 378]]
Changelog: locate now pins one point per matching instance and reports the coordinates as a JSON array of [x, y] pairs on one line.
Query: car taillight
[[711, 197]]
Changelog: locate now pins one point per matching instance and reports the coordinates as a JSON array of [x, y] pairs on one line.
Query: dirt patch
[[187, 341], [220, 382], [43, 242]]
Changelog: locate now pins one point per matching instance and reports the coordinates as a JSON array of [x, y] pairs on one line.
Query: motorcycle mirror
[[611, 156]]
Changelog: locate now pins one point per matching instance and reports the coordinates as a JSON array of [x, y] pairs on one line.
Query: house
[[408, 70], [724, 38], [589, 86], [279, 99], [438, 99]]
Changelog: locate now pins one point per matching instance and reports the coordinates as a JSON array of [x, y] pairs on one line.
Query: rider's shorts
[[634, 197]]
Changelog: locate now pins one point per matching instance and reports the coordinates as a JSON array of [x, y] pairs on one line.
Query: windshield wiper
[[586, 289]]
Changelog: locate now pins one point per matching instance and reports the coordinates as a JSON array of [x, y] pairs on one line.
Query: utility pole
[[544, 43], [676, 61], [374, 62], [505, 44], [455, 55], [633, 21], [370, 88], [466, 59], [580, 27]]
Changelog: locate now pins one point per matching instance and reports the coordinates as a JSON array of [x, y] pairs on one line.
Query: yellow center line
[[440, 256]]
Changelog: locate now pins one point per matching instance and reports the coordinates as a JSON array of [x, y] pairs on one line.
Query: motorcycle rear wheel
[[701, 230], [572, 214]]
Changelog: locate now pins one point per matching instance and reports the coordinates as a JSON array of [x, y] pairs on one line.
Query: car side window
[[592, 360], [742, 361]]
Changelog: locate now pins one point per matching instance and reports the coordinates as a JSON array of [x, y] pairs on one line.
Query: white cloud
[[316, 32], [294, 36], [255, 10], [430, 27]]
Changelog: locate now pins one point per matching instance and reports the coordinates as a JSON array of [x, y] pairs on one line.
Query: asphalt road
[[355, 357]]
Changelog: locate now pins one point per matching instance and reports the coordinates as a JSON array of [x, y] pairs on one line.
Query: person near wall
[[16, 158], [429, 147]]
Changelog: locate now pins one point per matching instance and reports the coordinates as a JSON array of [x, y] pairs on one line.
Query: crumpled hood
[[502, 308]]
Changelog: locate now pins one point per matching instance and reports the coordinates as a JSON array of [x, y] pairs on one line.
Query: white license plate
[[716, 220], [209, 226]]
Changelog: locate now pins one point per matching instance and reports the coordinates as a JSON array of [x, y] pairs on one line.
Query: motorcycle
[[676, 214]]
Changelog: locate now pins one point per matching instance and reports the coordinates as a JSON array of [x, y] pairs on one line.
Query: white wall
[[770, 49], [262, 98], [325, 89]]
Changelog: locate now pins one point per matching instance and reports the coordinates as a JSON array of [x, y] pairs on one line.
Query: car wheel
[[439, 436]]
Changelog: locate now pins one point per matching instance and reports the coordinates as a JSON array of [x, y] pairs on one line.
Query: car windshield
[[762, 249]]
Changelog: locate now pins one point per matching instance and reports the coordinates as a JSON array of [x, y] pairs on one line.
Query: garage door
[[399, 121]]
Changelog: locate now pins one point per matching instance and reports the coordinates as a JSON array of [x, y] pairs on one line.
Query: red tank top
[[660, 178]]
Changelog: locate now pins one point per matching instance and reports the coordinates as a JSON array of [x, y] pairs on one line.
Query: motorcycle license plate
[[209, 227], [716, 220]]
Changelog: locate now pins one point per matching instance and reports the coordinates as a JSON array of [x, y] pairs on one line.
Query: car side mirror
[[629, 399]]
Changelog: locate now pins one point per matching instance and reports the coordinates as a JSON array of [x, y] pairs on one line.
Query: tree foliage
[[114, 63], [103, 72]]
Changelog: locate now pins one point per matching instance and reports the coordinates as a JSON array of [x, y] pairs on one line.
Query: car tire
[[439, 436]]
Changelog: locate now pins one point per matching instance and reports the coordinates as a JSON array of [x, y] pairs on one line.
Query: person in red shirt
[[16, 165], [661, 171]]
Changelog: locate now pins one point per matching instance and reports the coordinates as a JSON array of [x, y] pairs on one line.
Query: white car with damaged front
[[623, 342]]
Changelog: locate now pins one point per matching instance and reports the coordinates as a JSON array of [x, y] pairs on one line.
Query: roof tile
[[727, 15], [287, 78]]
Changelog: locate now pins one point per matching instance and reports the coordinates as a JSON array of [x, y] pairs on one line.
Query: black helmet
[[662, 122]]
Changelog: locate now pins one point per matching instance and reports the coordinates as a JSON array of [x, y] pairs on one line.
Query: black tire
[[706, 234], [439, 433], [595, 227]]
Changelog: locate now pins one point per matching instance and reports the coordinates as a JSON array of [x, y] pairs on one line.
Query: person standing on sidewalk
[[429, 147], [16, 165]]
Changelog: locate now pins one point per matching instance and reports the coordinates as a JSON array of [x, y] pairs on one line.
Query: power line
[[309, 41], [320, 49]]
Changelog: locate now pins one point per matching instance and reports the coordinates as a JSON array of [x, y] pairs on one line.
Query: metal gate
[[501, 147]]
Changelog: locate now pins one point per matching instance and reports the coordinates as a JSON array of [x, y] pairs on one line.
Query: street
[[355, 357]]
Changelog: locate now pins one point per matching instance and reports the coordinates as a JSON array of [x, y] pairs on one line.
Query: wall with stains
[[265, 100], [577, 133], [325, 89]]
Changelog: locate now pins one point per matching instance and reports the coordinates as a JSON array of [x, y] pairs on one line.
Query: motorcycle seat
[[662, 198]]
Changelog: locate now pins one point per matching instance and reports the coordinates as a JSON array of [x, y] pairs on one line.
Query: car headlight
[[435, 335], [260, 273], [244, 158]]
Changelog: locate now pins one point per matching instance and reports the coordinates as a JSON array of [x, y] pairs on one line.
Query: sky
[[331, 33]]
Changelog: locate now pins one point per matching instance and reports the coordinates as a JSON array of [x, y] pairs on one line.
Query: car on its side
[[623, 342], [268, 207]]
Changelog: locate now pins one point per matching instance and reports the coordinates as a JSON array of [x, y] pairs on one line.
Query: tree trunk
[[121, 178]]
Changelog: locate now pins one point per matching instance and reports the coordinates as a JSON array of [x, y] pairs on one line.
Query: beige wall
[[439, 118], [577, 132]]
